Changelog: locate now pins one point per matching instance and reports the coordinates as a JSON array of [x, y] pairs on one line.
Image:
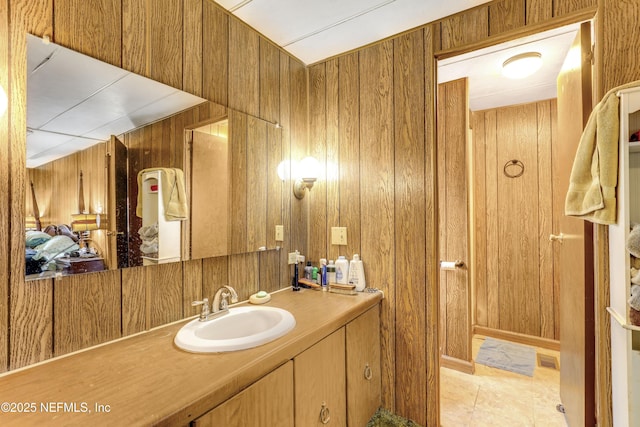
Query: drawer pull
[[367, 372], [325, 416]]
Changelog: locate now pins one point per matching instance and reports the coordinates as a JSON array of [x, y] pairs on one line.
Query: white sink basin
[[241, 328]]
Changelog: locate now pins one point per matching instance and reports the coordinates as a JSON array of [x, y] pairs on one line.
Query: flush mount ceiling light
[[522, 65]]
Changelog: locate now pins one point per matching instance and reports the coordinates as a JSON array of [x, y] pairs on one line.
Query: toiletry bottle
[[307, 270], [356, 273], [314, 274], [294, 282], [331, 272], [323, 273], [342, 270]]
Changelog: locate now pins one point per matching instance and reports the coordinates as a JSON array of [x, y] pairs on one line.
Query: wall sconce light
[[522, 65], [4, 101], [308, 171]]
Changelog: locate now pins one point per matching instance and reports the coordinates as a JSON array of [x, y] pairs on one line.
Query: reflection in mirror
[[251, 198], [210, 179]]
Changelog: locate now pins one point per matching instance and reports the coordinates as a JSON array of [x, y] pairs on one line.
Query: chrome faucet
[[219, 307], [224, 293]]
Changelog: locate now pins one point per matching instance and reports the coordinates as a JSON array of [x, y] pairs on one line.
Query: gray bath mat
[[507, 356]]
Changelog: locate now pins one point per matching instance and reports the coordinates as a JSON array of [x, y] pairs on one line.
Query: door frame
[[602, 382]]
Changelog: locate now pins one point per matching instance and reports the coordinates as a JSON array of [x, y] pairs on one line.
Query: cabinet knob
[[325, 416], [368, 374]]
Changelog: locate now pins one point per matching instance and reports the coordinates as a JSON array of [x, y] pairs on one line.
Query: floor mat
[[507, 356]]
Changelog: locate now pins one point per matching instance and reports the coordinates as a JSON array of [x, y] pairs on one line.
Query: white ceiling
[[74, 101], [313, 30], [489, 89]]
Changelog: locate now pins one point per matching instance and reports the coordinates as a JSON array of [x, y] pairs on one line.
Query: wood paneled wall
[[514, 275], [188, 44], [367, 118], [119, 31], [372, 123]]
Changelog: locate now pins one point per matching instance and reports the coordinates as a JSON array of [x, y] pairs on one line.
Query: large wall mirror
[[125, 171]]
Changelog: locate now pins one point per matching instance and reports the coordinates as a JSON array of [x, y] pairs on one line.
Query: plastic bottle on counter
[[322, 276], [331, 272], [342, 270], [356, 273], [307, 270]]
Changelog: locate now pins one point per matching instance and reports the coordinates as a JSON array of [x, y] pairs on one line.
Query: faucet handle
[[224, 304], [233, 294], [205, 308], [205, 302]]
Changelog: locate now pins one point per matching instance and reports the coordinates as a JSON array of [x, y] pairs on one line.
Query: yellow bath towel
[[594, 176], [174, 198]]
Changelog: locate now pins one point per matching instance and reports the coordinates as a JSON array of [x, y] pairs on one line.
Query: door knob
[[556, 237]]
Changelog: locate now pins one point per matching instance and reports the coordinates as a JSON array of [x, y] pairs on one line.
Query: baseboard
[[518, 338], [457, 364]]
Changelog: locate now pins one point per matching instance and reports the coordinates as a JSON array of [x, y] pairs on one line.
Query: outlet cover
[[339, 236], [279, 233]]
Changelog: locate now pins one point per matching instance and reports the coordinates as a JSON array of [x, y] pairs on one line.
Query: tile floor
[[494, 398]]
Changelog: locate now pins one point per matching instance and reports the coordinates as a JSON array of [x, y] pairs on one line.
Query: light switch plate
[[339, 236], [279, 233]]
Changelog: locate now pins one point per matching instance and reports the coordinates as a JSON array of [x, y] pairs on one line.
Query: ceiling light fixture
[[522, 65]]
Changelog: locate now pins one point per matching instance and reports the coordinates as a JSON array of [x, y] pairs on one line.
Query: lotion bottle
[[356, 273], [342, 270]]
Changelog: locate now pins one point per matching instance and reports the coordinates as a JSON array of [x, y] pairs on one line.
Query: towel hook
[[513, 164]]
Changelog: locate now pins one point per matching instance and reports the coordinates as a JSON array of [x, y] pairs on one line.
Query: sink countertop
[[146, 380]]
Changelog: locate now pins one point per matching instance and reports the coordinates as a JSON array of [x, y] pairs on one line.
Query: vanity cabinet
[[363, 367], [335, 382], [320, 383], [266, 403]]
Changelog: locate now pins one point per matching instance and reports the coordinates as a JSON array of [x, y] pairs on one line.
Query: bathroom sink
[[241, 328]]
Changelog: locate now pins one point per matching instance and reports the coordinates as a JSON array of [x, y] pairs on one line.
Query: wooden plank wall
[[119, 34], [189, 44], [350, 118], [513, 220]]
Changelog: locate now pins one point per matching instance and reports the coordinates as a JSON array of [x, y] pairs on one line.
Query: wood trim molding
[[457, 364], [518, 338]]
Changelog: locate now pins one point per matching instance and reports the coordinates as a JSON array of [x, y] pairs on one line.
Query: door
[[117, 182], [575, 248], [455, 293]]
